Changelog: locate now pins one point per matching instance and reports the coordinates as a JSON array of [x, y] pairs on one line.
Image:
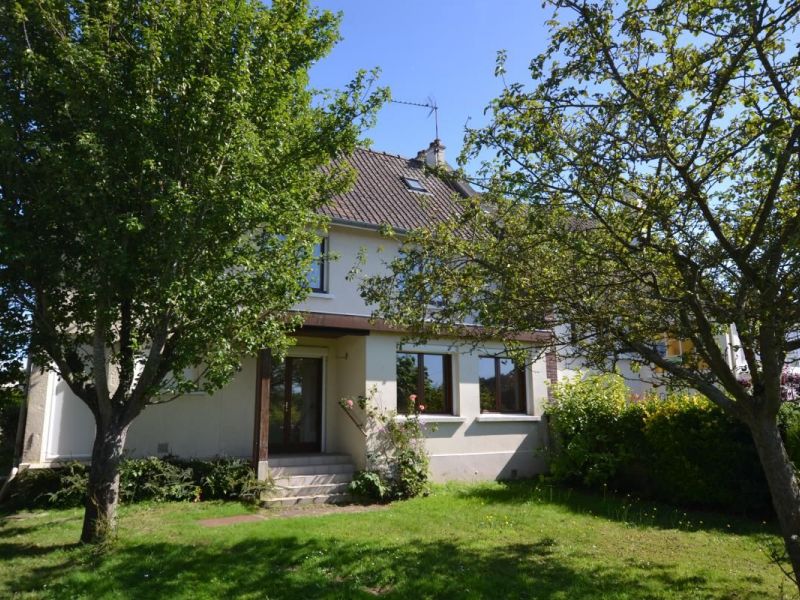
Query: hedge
[[142, 479], [681, 449]]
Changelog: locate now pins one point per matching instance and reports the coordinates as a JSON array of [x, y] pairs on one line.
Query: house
[[286, 415]]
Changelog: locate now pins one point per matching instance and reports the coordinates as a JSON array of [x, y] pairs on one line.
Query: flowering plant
[[790, 383], [397, 462]]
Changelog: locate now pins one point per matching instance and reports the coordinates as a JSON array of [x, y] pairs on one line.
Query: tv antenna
[[429, 104]]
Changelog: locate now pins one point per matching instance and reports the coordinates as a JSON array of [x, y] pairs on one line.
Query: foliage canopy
[[160, 175], [644, 184]]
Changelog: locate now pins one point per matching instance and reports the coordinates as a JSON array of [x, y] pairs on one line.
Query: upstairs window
[[502, 385], [415, 185], [429, 378], [316, 276]]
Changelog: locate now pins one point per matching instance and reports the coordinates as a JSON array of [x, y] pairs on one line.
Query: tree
[[161, 163], [643, 184]]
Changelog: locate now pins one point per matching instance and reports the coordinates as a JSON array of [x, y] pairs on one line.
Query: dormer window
[[415, 185]]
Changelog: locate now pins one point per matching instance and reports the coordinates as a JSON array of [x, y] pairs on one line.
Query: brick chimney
[[434, 155]]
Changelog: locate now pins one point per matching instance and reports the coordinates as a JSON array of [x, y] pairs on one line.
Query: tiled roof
[[381, 197]]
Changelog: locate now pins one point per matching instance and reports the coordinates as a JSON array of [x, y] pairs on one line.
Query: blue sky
[[444, 49]]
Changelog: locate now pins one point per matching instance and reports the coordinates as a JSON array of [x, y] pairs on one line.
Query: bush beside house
[[142, 479], [11, 398], [398, 465], [681, 449]]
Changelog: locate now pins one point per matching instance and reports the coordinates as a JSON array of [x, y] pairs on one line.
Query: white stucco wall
[[347, 363], [645, 379], [346, 243], [466, 446], [469, 445], [195, 425], [69, 425], [207, 425], [200, 425]]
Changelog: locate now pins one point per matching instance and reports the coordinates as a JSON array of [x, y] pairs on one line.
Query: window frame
[[417, 186], [321, 264], [521, 382], [447, 376]]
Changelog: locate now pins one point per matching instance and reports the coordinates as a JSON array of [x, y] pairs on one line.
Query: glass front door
[[295, 405]]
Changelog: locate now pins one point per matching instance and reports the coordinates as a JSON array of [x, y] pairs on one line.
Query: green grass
[[485, 541]]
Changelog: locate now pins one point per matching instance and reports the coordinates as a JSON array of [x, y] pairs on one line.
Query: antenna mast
[[430, 104]]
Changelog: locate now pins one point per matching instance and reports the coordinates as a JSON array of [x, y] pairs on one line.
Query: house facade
[[286, 414]]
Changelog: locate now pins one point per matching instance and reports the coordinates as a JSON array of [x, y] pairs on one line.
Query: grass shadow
[[625, 509], [289, 567]]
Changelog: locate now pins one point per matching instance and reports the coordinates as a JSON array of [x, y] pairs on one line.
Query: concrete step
[[304, 469], [318, 479], [300, 500], [310, 490], [301, 460]]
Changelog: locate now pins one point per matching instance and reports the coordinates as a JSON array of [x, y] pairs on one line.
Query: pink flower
[[413, 398], [422, 407], [349, 403]]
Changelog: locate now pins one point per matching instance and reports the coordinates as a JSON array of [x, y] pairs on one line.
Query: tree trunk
[[783, 487], [99, 520]]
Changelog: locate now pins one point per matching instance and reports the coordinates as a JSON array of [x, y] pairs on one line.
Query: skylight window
[[415, 185]]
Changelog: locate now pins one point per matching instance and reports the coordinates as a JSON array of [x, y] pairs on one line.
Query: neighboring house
[[645, 379], [487, 412]]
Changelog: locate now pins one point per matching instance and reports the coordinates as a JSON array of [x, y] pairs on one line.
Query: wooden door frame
[[261, 421]]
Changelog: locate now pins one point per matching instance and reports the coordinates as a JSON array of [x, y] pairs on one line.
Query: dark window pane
[[510, 392], [306, 390], [486, 381], [434, 398], [407, 377], [414, 184]]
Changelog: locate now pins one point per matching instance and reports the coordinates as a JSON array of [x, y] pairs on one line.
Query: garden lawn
[[519, 540]]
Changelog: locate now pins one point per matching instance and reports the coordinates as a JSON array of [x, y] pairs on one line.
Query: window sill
[[507, 418], [433, 419], [325, 295]]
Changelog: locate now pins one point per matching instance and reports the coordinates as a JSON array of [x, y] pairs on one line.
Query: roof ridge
[[383, 153]]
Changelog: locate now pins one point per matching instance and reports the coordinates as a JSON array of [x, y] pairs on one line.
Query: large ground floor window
[[502, 385], [429, 378]]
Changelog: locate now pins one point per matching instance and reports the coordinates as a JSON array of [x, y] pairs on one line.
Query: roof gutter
[[366, 226]]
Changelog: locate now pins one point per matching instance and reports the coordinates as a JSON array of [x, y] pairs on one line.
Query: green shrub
[[42, 488], [227, 479], [789, 419], [156, 480], [585, 416], [682, 449], [369, 485], [398, 466], [700, 455], [70, 483], [142, 479], [412, 473], [11, 399]]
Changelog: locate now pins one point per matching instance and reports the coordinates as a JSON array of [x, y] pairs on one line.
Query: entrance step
[[310, 479], [296, 460], [340, 468], [289, 491], [299, 500]]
